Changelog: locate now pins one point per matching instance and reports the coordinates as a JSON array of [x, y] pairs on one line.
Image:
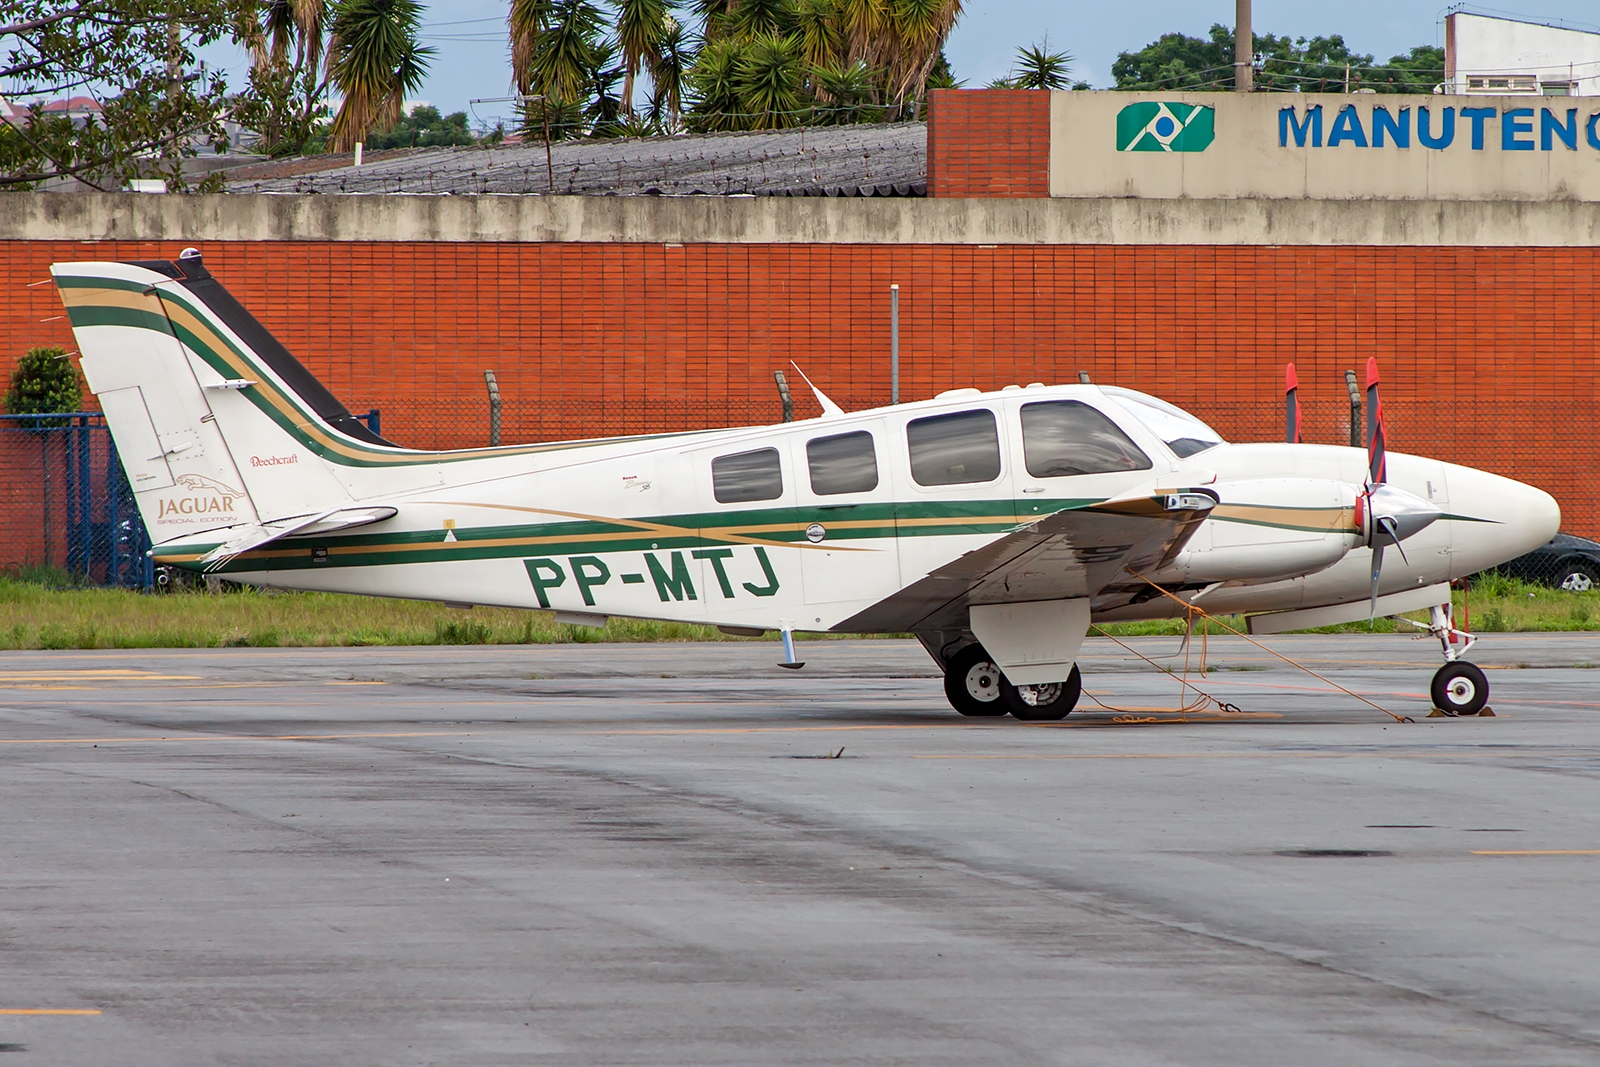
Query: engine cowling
[[1268, 529]]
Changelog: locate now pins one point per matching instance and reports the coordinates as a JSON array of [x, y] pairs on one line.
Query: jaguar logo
[[197, 500]]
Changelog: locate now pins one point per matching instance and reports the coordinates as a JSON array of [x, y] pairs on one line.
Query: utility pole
[[894, 344], [783, 395], [1244, 48], [1355, 408], [494, 408]]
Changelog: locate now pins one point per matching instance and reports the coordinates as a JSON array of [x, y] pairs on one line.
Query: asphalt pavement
[[680, 854]]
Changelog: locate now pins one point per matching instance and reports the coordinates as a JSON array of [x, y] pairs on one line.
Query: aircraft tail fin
[[216, 424]]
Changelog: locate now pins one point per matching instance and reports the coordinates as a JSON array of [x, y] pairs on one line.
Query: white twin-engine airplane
[[994, 526]]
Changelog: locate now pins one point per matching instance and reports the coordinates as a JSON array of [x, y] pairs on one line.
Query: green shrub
[[44, 383]]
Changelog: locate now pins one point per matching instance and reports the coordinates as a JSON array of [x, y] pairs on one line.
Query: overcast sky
[[473, 63]]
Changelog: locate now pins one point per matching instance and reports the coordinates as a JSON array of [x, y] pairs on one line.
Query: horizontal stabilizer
[[256, 535]]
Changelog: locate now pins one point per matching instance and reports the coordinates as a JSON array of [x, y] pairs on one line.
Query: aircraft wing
[[1072, 553]]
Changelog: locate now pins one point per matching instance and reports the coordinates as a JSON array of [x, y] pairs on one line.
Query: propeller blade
[[1392, 528], [1291, 399], [1377, 570], [1377, 443]]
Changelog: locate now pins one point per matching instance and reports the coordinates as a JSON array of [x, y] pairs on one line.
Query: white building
[[1502, 57]]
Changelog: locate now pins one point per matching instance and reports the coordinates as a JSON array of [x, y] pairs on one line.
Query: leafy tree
[[1284, 64], [287, 99], [1177, 61], [1418, 71], [375, 60], [136, 58], [424, 128], [44, 382]]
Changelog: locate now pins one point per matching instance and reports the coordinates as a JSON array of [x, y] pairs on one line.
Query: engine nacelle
[[1309, 526]]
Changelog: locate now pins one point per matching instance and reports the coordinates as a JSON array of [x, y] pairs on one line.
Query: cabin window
[[954, 449], [1065, 437], [747, 476], [843, 463]]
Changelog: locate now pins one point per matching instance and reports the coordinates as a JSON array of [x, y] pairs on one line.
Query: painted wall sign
[[1158, 126], [1324, 146]]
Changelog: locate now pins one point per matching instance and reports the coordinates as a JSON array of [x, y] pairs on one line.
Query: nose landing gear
[[1459, 687]]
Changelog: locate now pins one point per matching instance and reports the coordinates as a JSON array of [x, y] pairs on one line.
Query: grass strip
[[45, 609]]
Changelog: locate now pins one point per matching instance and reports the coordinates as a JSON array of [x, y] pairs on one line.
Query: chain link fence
[[65, 502]]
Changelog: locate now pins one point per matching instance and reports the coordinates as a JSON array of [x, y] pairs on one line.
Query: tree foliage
[[729, 65], [375, 60], [44, 382], [136, 58], [1283, 64], [425, 127]]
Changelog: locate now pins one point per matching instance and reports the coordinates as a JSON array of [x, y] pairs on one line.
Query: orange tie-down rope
[[1202, 698]]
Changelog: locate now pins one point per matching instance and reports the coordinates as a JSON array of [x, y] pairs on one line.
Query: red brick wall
[[1488, 354], [989, 142]]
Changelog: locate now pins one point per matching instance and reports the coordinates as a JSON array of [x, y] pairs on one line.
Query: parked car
[[1566, 562]]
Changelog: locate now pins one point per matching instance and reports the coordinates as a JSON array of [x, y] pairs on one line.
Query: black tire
[[1460, 688], [1577, 576], [969, 680], [1051, 702]]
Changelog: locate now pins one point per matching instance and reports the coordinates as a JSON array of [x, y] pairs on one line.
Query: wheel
[[1039, 703], [972, 683], [1577, 576], [1460, 687]]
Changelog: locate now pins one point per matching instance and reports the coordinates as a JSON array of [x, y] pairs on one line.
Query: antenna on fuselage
[[1083, 377], [828, 406]]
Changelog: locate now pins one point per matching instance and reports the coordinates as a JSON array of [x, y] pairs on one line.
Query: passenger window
[[844, 463], [1064, 437], [747, 476], [954, 449]]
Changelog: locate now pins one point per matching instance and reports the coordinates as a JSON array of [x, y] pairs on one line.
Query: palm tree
[[845, 94], [374, 59], [1040, 68], [817, 24], [713, 78], [527, 21], [668, 68], [641, 25], [919, 29], [770, 77]]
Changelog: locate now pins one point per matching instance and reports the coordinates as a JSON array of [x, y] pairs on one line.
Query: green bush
[[44, 383]]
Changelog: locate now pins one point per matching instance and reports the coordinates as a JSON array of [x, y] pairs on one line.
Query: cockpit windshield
[[1184, 434]]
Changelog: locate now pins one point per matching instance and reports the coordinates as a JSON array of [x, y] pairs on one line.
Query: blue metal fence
[[65, 502]]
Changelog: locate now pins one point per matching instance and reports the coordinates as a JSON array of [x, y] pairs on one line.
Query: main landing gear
[[1459, 687], [975, 685]]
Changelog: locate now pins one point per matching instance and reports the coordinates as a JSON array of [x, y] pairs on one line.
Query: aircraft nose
[[1497, 519]]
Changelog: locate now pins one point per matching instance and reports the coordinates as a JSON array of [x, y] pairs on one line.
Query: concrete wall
[[769, 220], [1324, 146]]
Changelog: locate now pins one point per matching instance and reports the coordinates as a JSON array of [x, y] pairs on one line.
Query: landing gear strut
[[975, 685]]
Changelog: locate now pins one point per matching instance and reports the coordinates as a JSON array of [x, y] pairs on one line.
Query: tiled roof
[[866, 160]]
